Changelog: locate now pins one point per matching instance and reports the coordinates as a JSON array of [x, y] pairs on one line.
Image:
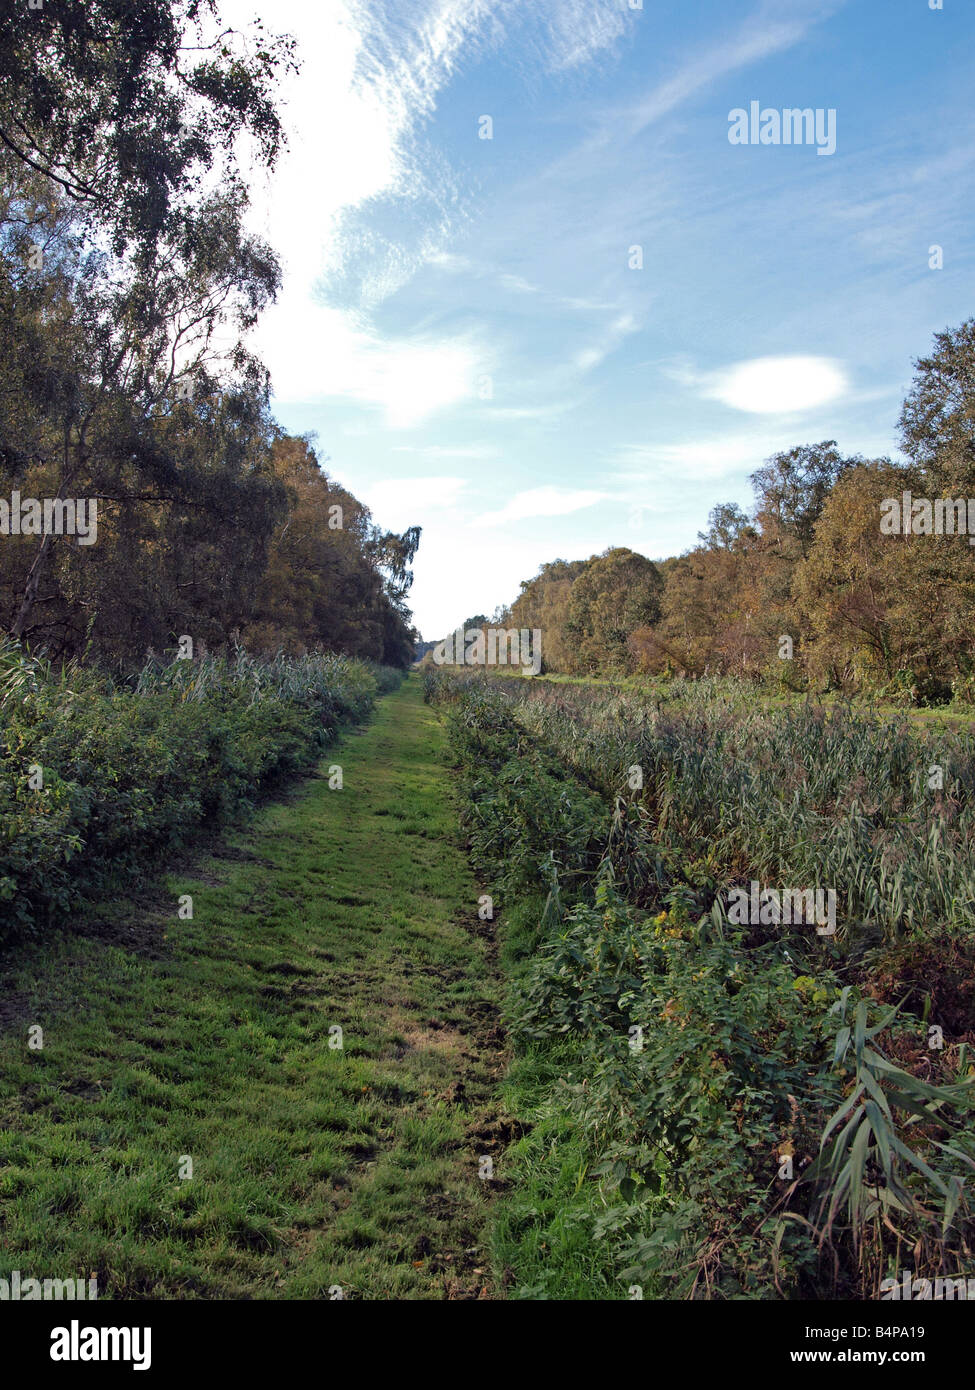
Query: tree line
[[809, 588], [129, 283]]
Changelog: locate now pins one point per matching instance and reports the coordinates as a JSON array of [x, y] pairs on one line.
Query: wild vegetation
[[99, 779], [725, 1110]]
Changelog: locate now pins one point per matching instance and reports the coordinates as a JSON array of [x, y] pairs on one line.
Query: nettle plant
[[692, 1053]]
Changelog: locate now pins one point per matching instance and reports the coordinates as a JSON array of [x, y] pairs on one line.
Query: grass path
[[314, 1167]]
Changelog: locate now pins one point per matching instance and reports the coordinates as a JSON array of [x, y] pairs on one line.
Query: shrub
[[131, 771]]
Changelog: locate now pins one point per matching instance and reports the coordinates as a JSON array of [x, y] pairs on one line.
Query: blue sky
[[461, 325]]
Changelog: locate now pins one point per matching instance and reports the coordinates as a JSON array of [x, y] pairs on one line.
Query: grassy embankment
[[313, 1167]]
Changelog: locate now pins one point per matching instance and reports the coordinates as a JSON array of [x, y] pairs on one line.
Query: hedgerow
[[98, 779]]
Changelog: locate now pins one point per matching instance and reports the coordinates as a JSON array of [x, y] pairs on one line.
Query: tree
[[92, 351], [791, 490], [885, 608], [393, 556], [131, 107], [709, 616], [937, 421], [543, 606], [728, 528], [322, 586], [618, 592]]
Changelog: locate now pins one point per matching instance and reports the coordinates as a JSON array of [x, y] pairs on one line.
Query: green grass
[[313, 1167], [541, 1235]]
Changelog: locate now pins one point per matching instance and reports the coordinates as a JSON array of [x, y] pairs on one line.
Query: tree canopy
[[128, 286]]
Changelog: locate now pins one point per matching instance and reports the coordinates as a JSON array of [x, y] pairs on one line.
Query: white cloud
[[450, 262], [401, 502], [720, 456], [517, 283], [581, 29], [342, 136], [368, 80], [467, 570], [543, 501], [777, 385], [328, 356], [530, 412]]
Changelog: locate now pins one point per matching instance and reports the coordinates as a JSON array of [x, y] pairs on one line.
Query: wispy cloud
[[579, 30], [549, 411], [772, 27], [673, 465], [407, 378], [613, 335], [543, 501]]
